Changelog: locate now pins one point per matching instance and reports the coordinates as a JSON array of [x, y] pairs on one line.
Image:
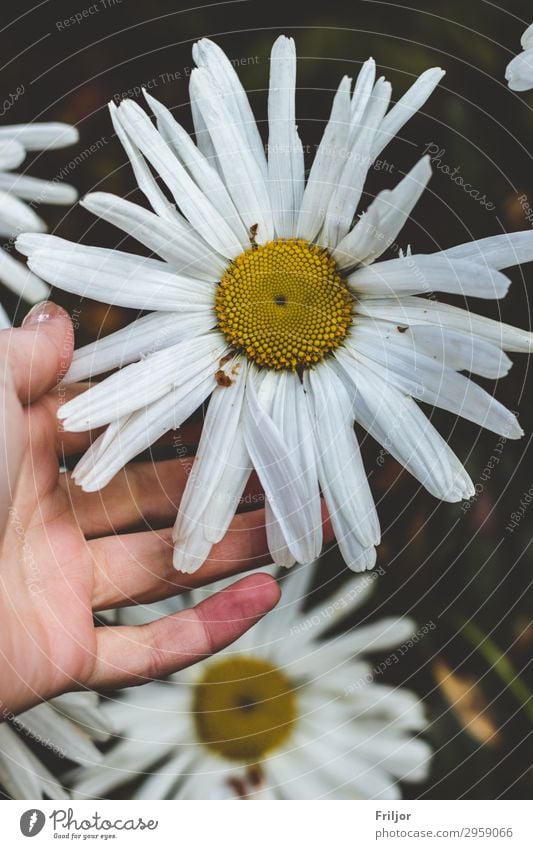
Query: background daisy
[[62, 728], [284, 713], [19, 194], [519, 71]]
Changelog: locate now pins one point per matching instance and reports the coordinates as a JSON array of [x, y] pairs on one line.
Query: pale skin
[[66, 554]]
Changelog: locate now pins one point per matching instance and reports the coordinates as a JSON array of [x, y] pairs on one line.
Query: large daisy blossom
[[20, 193], [66, 726], [283, 713], [268, 300], [519, 71]]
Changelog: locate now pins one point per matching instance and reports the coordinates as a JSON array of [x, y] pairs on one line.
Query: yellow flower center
[[243, 708], [284, 304]]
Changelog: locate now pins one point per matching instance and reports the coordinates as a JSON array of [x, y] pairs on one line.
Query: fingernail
[[45, 311]]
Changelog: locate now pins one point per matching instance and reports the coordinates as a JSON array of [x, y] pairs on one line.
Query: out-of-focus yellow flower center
[[243, 708], [284, 304]]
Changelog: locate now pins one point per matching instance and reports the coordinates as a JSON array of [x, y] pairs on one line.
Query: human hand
[[66, 554]]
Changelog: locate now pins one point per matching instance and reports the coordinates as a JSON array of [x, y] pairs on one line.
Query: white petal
[[45, 136], [290, 413], [43, 723], [124, 762], [214, 450], [385, 217], [205, 174], [86, 710], [221, 509], [285, 152], [154, 376], [460, 351], [114, 277], [273, 461], [161, 784], [197, 208], [356, 556], [36, 190], [454, 349], [142, 429], [359, 244], [16, 217], [326, 166], [527, 38], [340, 604], [519, 71], [364, 85], [22, 774], [174, 241], [142, 337], [398, 424], [345, 198], [202, 137], [427, 273], [423, 377], [12, 154], [340, 467], [242, 173], [225, 80], [382, 635], [501, 251], [277, 545], [20, 280], [292, 778], [413, 100], [5, 321], [412, 311], [143, 175], [191, 552]]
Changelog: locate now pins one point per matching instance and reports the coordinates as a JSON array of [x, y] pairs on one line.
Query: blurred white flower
[[267, 302], [282, 713], [65, 726], [4, 319], [19, 194], [519, 71]]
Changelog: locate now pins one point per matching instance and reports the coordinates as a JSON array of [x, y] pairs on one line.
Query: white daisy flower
[[282, 713], [519, 71], [269, 301], [19, 195], [66, 726]]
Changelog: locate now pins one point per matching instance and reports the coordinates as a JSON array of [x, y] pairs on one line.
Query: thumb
[[37, 355]]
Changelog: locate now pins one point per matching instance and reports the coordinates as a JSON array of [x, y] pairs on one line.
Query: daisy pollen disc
[[284, 304], [244, 707]]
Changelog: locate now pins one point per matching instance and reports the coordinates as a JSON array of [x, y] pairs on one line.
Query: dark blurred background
[[459, 568]]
